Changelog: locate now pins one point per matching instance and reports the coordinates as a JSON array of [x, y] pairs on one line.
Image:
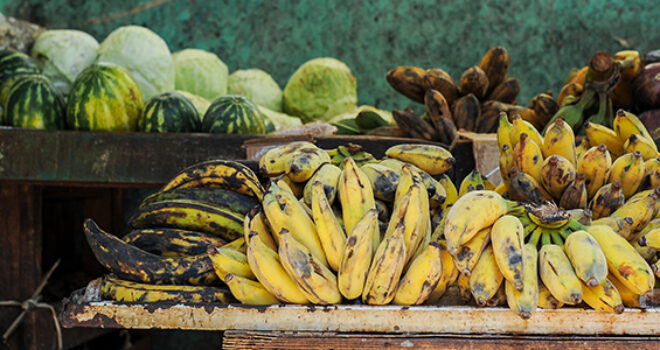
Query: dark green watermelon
[[169, 112], [33, 103], [15, 63], [104, 97], [233, 114]]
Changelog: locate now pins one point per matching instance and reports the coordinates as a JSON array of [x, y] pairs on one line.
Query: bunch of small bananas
[[474, 105]]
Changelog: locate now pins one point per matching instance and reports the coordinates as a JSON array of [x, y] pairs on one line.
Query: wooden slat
[[333, 340]]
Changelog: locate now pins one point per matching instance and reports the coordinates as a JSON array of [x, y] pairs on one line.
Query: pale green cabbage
[[144, 54], [279, 120], [201, 73], [258, 86]]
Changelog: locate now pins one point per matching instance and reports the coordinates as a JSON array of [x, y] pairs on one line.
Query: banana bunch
[[474, 104]]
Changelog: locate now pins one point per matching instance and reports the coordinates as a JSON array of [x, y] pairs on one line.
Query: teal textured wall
[[545, 38]]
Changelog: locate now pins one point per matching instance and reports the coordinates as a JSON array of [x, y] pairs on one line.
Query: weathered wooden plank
[[356, 318], [234, 339]]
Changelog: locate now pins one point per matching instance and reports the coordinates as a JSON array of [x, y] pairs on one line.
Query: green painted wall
[[545, 38]]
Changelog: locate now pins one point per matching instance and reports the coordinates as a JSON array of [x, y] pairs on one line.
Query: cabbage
[[386, 115], [144, 54], [201, 104], [62, 54], [320, 89], [201, 73], [279, 120], [258, 86]]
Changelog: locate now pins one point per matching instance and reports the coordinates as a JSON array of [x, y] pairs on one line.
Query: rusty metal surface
[[358, 318]]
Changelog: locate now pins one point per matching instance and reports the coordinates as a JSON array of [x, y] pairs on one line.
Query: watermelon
[[33, 103], [233, 114], [169, 112], [104, 97], [12, 65]]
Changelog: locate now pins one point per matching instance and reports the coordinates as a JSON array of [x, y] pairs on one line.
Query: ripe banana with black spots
[[432, 159], [582, 216], [303, 163], [273, 162], [468, 254], [171, 242], [629, 170], [386, 269], [607, 199], [436, 191], [556, 174], [522, 187], [520, 126], [504, 131], [575, 196], [330, 232], [357, 256], [559, 139], [383, 180], [126, 291], [651, 239], [647, 148], [224, 174], [523, 302], [249, 292], [486, 278], [627, 124], [652, 173], [547, 300], [586, 257], [622, 226], [628, 297], [507, 241], [507, 162], [602, 135], [581, 148], [255, 221], [641, 210], [558, 275], [355, 195], [449, 273], [464, 290], [595, 164], [528, 158], [451, 193], [231, 200], [296, 188], [328, 175], [603, 297], [238, 244], [474, 181], [421, 278], [227, 261]]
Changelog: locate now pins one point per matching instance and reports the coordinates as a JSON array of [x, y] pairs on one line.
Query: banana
[[582, 216], [502, 189], [126, 291], [652, 225], [507, 241], [172, 242], [437, 79], [355, 195], [558, 275], [495, 64], [248, 291], [544, 107], [357, 256], [606, 200], [522, 187], [255, 221], [571, 90], [647, 148], [409, 81], [437, 110], [547, 300], [507, 163], [386, 269], [383, 211], [594, 164], [523, 302], [627, 124], [622, 226], [383, 180], [641, 210], [652, 173], [586, 257], [486, 278], [603, 297], [131, 263], [227, 261], [504, 132], [581, 148], [628, 298], [468, 254], [351, 150], [414, 126], [223, 174], [303, 163], [234, 201], [506, 91], [466, 111], [473, 80], [449, 273], [432, 159], [451, 194], [521, 126], [421, 278], [267, 268], [474, 181], [190, 215], [328, 175], [651, 239], [315, 280], [273, 162], [499, 298], [284, 211], [646, 252], [238, 245], [473, 212], [410, 210], [560, 140], [528, 158], [436, 191], [464, 290], [602, 135], [575, 195], [286, 183], [556, 174], [331, 234], [623, 261]]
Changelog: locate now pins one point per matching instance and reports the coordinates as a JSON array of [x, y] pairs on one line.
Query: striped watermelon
[[33, 103], [104, 97], [12, 65], [233, 114], [169, 112]]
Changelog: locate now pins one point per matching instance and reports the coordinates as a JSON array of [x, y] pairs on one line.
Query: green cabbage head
[[258, 86], [201, 73]]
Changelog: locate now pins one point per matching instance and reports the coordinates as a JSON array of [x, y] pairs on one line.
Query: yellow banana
[[603, 297], [502, 188], [229, 261], [582, 148], [641, 210], [602, 135], [469, 253], [507, 162], [652, 225], [474, 181], [507, 241], [521, 126], [651, 239], [273, 162], [409, 210], [486, 278], [606, 200], [628, 297], [646, 252], [558, 275], [383, 180], [522, 187], [408, 178], [623, 261], [255, 222], [504, 131], [267, 268], [421, 278], [524, 302], [582, 216], [287, 184], [547, 300], [464, 290], [355, 194], [499, 298], [328, 175], [627, 124], [586, 257], [331, 234], [652, 173], [127, 291], [451, 194], [556, 174], [449, 274], [248, 291], [357, 256], [559, 139], [575, 195], [386, 269], [622, 226], [594, 164], [315, 280], [432, 159], [303, 163], [238, 245], [647, 148], [383, 211], [435, 190]]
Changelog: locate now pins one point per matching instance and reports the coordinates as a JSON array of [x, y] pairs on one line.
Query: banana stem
[[575, 225], [515, 208], [536, 234], [565, 232], [556, 238], [529, 229], [545, 238]]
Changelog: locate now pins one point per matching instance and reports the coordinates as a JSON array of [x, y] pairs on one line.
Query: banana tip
[[576, 298], [592, 282], [525, 315], [618, 309]]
